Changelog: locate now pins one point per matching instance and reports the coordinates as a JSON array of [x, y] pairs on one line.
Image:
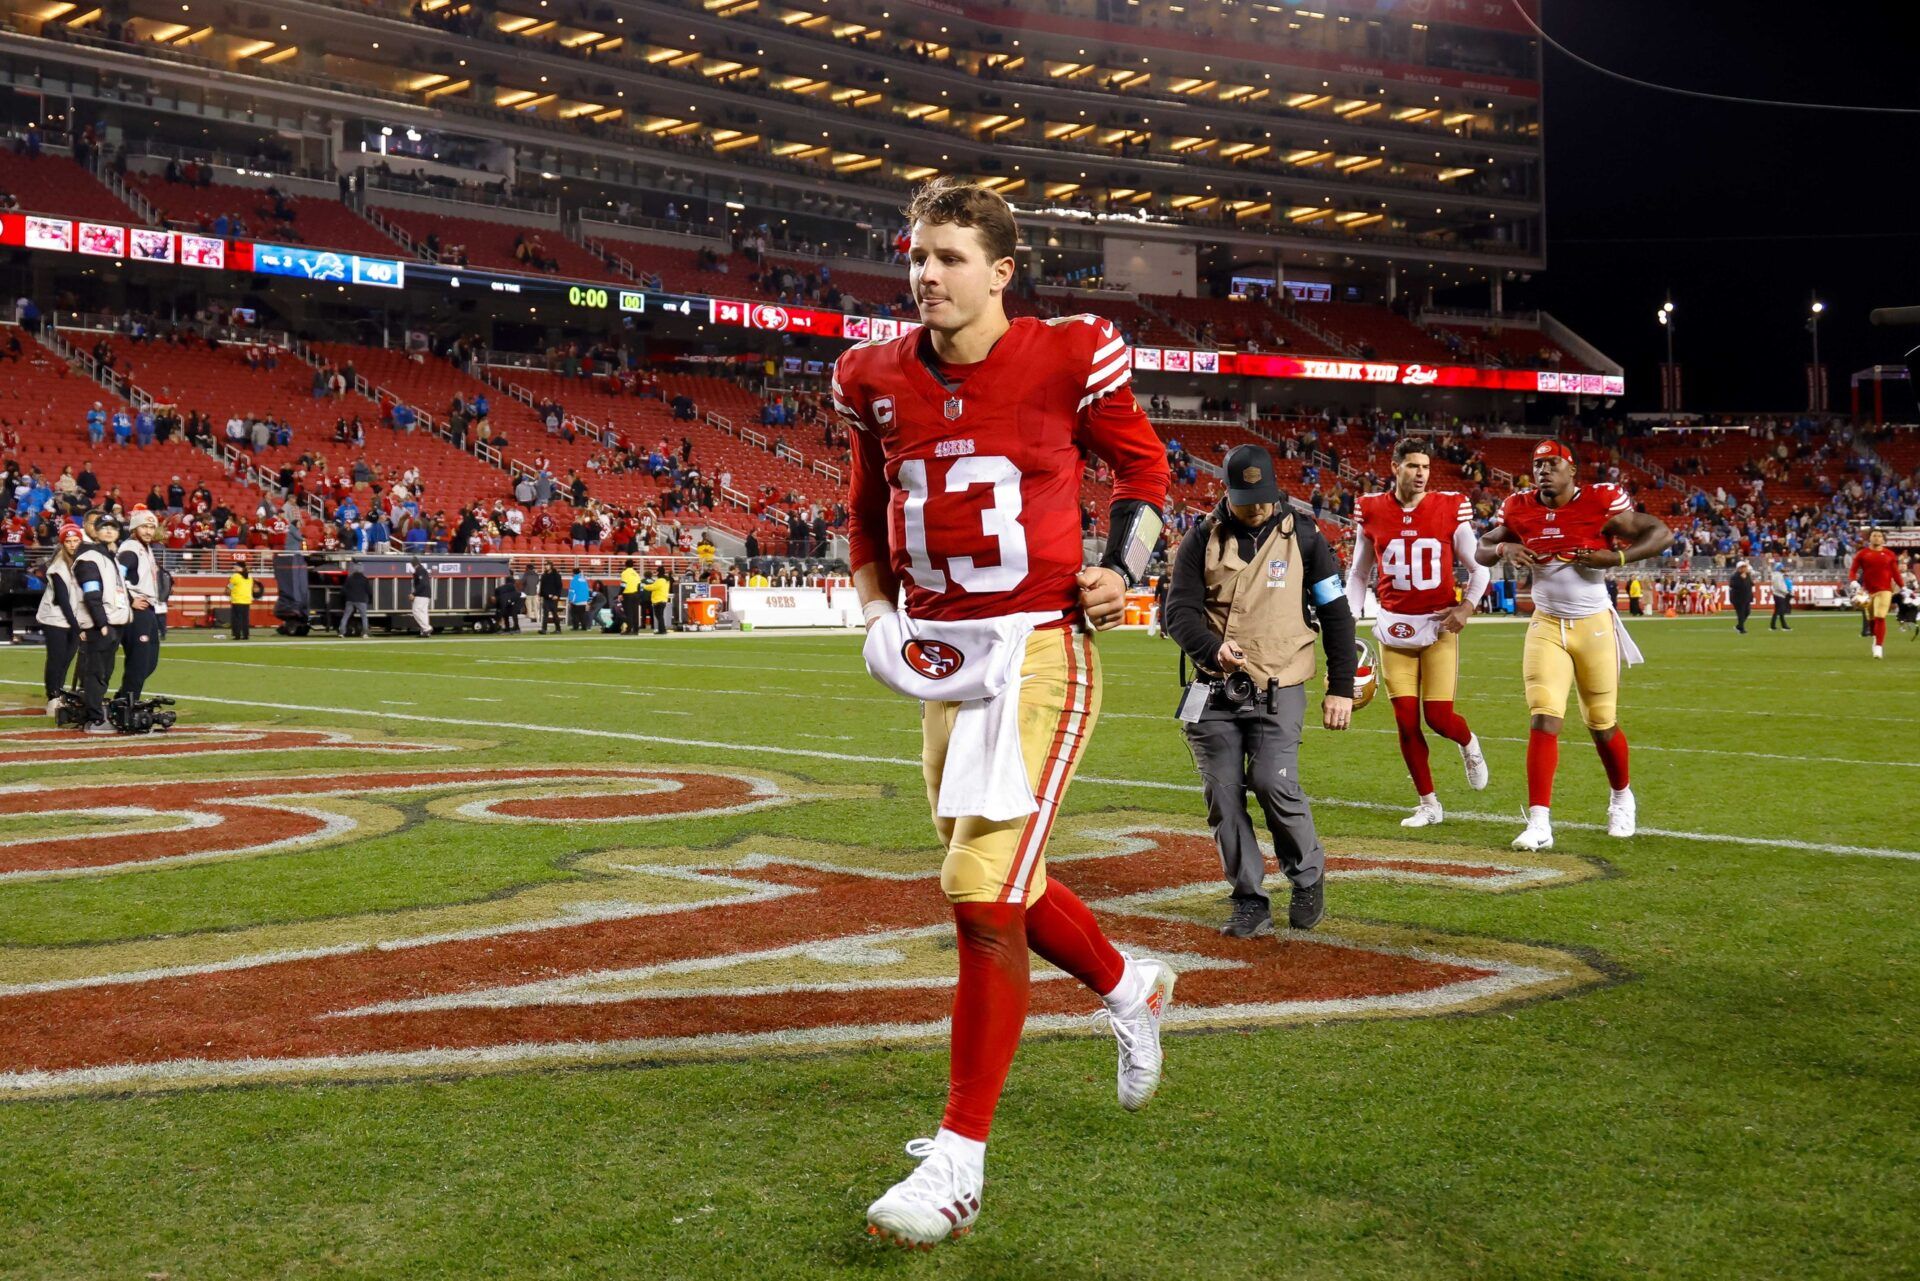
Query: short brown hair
[[1410, 445], [965, 203]]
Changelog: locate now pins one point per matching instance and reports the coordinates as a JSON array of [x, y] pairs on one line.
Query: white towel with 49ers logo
[[1406, 631], [975, 663]]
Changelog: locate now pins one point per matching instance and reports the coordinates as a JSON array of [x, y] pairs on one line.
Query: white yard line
[[775, 749], [562, 686]]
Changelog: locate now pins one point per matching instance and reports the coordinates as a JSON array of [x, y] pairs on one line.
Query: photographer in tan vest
[[1251, 585]]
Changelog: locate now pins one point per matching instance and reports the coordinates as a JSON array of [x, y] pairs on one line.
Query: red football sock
[[1413, 744], [1543, 758], [989, 1009], [1613, 755], [1062, 931], [1447, 723], [1879, 631]]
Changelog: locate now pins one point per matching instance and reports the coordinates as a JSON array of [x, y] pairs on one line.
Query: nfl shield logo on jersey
[[935, 660], [1276, 573], [953, 408]]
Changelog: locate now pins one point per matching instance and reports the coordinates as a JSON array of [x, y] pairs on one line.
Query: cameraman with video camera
[[1251, 584]]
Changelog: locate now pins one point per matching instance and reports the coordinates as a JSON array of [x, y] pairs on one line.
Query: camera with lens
[[1234, 692], [142, 716], [1238, 691]]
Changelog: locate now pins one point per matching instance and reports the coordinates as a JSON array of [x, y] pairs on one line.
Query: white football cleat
[[1137, 1033], [53, 708], [1476, 763], [1621, 813], [1539, 833], [1426, 814], [1876, 651], [941, 1198]]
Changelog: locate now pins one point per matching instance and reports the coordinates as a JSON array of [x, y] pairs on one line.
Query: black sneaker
[[1307, 904], [1251, 919]]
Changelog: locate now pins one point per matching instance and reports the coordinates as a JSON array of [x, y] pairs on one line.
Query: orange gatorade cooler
[[702, 613]]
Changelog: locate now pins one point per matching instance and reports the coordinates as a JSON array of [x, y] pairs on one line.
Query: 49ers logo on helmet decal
[[1401, 631], [935, 660]]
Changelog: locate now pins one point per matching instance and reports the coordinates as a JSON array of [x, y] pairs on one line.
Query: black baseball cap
[[1249, 473]]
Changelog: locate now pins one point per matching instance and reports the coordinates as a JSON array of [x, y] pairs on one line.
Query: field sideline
[[1693, 1053]]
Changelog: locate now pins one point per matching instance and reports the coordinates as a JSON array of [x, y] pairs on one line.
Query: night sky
[[1742, 211]]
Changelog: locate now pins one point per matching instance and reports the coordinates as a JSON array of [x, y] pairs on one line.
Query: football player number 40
[[1000, 522], [1412, 565]]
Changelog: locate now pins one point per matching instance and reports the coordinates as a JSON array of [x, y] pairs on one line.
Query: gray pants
[[1259, 752], [354, 609]]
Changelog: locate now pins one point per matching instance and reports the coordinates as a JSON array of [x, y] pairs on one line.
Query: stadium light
[[1816, 377], [1669, 376]]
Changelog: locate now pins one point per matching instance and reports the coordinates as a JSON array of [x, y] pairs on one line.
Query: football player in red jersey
[[1563, 533], [1415, 537], [969, 441], [1877, 569]]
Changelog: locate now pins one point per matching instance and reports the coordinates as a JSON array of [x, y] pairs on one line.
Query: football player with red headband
[[970, 435], [1415, 537], [1564, 534]]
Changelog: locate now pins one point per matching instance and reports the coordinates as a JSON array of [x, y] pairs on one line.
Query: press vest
[[49, 613], [113, 588], [1257, 604], [144, 582]]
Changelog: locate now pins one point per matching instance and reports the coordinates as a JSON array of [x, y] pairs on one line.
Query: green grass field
[[1732, 1088]]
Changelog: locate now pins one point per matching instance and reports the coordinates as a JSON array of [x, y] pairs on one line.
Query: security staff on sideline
[[631, 599], [143, 575], [61, 615], [659, 587], [1251, 584], [240, 589], [106, 609]]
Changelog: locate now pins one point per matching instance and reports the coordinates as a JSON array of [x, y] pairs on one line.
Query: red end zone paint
[[226, 817], [446, 1004]]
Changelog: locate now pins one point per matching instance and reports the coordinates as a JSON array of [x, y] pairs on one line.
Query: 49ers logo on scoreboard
[[935, 660]]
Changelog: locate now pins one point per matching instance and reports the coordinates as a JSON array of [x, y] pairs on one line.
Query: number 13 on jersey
[[999, 523]]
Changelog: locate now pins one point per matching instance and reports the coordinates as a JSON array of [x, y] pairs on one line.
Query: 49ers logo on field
[[935, 660], [639, 952]]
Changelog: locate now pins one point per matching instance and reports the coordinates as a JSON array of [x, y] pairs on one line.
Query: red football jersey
[[1878, 571], [1555, 531], [1414, 548], [1559, 588], [972, 492]]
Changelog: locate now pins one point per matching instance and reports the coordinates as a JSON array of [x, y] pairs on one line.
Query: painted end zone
[[764, 946]]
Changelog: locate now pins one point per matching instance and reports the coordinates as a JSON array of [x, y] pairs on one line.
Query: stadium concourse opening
[[476, 479]]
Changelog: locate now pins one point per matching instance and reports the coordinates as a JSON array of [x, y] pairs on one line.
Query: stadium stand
[[55, 184], [315, 221], [1511, 347], [498, 246], [46, 402], [1374, 332], [221, 384]]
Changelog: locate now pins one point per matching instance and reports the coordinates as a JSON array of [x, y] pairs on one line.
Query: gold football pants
[[1005, 862], [1581, 653], [1431, 674]]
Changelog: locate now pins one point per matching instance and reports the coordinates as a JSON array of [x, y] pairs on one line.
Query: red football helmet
[[1366, 678]]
